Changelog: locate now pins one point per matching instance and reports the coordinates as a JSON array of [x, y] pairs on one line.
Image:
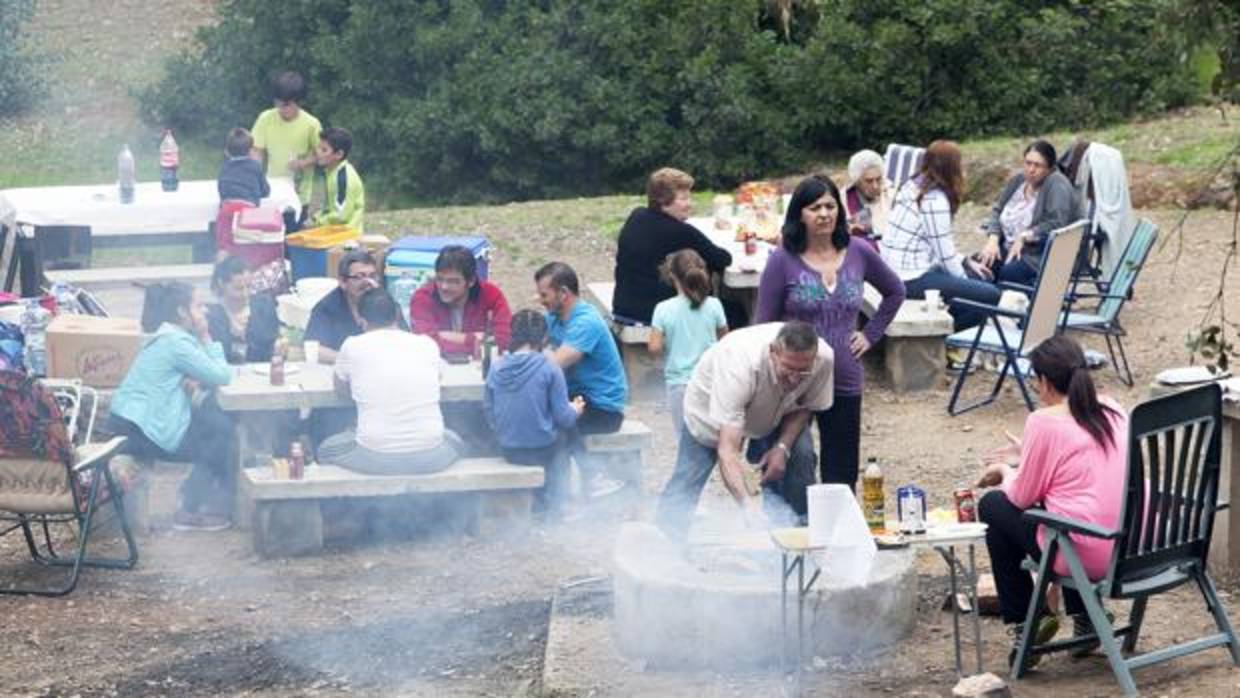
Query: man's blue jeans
[[695, 461]]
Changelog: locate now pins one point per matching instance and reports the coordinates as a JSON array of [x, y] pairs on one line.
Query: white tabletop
[[746, 270], [312, 386], [189, 209]]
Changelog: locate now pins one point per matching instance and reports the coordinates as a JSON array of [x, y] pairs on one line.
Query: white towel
[[1104, 166]]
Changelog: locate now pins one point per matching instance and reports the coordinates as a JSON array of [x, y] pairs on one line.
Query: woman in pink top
[[1072, 463]]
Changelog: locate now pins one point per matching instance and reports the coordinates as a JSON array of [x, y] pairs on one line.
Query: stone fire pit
[[717, 606]]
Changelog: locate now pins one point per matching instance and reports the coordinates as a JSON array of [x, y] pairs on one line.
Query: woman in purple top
[[819, 278]]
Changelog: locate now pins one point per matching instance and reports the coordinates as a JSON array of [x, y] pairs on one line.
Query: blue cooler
[[410, 262]]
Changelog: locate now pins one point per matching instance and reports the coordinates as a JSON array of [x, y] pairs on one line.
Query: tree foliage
[[492, 99], [20, 83]]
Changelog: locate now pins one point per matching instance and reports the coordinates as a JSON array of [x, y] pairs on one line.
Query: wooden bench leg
[[288, 527], [914, 363]]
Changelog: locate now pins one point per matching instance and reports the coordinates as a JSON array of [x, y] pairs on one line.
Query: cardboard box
[[96, 349], [377, 244]]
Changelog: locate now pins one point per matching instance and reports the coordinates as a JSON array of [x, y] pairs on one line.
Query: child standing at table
[[526, 402], [285, 138], [687, 325], [241, 176]]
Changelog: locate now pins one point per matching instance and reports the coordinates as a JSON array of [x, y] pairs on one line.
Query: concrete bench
[[914, 352], [643, 370], [489, 494], [120, 289], [621, 452]]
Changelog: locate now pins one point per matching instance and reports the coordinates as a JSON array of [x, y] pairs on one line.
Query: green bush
[[487, 99], [20, 82]]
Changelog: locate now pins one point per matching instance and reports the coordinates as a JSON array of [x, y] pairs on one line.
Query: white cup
[[311, 349], [933, 299]]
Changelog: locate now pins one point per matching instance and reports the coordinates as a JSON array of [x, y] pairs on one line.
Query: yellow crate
[[323, 237]]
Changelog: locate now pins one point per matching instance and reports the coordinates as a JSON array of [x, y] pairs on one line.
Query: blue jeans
[[695, 461], [956, 287]]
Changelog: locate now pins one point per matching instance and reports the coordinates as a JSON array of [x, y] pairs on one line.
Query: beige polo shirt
[[735, 383]]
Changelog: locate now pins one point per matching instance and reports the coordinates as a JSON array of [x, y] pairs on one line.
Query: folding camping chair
[[901, 162], [44, 480], [1163, 539], [1016, 340], [1110, 296]]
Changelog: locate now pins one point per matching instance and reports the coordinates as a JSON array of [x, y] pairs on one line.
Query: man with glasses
[[761, 383], [334, 319], [456, 308]]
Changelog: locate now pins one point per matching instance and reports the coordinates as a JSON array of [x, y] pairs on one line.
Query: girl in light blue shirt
[[686, 325]]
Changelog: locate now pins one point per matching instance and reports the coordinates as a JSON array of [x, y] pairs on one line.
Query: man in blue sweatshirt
[[526, 402]]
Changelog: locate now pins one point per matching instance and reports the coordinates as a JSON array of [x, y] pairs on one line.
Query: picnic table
[[311, 386], [155, 217]]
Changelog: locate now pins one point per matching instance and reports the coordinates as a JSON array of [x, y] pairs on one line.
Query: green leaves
[[474, 100]]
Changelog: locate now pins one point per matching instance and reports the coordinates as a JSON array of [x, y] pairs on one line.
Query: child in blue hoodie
[[526, 402], [155, 407]]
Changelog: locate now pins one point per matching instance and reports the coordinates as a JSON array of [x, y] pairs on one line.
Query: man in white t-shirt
[[393, 376]]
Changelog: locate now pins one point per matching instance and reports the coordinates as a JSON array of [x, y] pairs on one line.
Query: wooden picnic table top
[[312, 386]]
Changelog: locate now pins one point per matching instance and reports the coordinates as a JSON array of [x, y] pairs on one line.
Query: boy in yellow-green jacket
[[345, 202]]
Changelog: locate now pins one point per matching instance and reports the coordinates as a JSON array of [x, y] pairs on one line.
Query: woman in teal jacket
[[160, 406]]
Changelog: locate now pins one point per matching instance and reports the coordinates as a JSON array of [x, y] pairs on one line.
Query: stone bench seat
[[914, 351], [327, 481], [632, 436], [488, 494]]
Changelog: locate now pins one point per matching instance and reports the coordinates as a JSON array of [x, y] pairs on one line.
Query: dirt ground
[[439, 614]]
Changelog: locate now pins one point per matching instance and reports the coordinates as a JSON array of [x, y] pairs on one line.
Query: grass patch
[[1192, 139]]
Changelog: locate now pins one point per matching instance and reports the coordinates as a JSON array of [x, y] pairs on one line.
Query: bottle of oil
[[872, 496]]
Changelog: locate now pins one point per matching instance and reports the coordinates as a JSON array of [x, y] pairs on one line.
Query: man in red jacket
[[455, 306]]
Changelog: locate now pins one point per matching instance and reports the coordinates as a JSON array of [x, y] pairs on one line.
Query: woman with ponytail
[[686, 325], [819, 278], [1072, 463]]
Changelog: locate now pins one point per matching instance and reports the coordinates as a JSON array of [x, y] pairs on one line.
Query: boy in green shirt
[[285, 137], [346, 198]]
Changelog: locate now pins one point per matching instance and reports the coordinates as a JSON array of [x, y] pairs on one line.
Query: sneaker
[[1048, 627], [1082, 626], [604, 487], [188, 521], [956, 358]]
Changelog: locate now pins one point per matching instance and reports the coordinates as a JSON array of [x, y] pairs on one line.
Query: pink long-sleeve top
[[1070, 474]]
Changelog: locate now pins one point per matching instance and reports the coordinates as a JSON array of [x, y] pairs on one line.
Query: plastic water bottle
[[169, 160], [125, 174], [66, 299], [402, 291], [35, 319]]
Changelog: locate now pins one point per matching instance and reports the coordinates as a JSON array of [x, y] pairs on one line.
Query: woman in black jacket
[[244, 323], [650, 234]]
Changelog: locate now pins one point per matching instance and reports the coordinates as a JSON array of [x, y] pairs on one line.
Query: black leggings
[[210, 444], [839, 436], [592, 421], [1010, 539]]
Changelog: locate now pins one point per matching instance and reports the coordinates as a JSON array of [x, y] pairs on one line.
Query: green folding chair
[[1110, 296], [1166, 525]]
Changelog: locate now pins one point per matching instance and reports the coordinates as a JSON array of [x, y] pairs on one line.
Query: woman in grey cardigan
[[1034, 202]]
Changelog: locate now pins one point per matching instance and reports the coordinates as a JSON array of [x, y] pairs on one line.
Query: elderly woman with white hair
[[868, 197]]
